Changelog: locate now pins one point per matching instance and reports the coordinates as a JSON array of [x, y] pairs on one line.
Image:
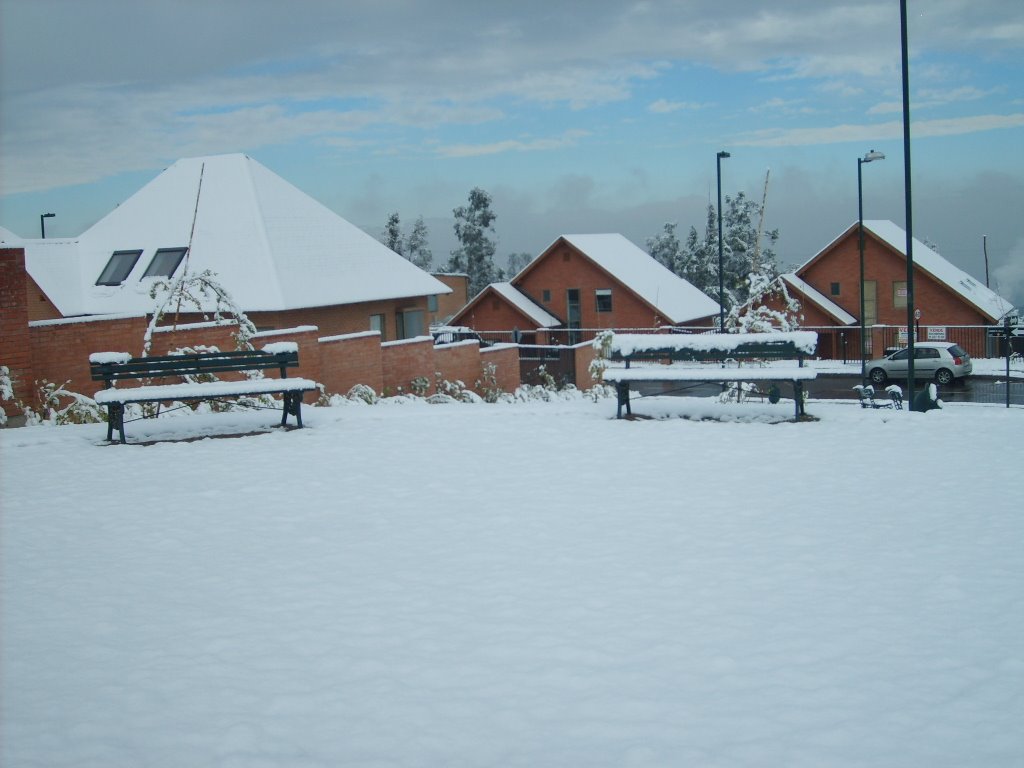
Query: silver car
[[941, 360]]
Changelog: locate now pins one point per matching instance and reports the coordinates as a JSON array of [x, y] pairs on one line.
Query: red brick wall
[[938, 304], [506, 365], [494, 313], [584, 356], [39, 305], [342, 319], [403, 361], [15, 346], [565, 267], [61, 349], [450, 303], [459, 362], [349, 360]]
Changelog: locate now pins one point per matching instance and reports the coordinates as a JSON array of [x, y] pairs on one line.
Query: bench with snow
[[114, 367], [711, 358], [867, 397]]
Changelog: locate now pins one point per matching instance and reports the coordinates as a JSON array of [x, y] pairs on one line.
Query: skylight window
[[164, 262], [118, 268]]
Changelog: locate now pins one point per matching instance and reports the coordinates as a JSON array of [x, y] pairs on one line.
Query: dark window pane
[[118, 268], [164, 262]]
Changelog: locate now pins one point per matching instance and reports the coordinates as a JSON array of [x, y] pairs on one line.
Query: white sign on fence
[[936, 333], [902, 337]]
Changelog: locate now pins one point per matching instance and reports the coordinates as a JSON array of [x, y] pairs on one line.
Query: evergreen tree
[[416, 246], [475, 256], [665, 248], [744, 256], [699, 257], [393, 234]]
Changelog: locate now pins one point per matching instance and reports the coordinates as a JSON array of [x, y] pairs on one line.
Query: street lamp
[[721, 274], [868, 158], [42, 223]]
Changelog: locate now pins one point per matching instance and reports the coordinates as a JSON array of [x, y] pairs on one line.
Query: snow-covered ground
[[531, 584]]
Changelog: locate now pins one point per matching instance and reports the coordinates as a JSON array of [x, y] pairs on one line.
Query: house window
[[410, 323], [164, 262], [378, 323], [120, 265], [899, 294], [835, 289], [604, 299], [432, 303], [870, 302], [547, 296]]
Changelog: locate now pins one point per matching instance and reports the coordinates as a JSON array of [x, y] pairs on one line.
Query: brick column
[[15, 350]]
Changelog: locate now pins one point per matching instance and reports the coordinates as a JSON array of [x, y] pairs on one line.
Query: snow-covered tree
[[747, 249], [665, 248], [416, 249], [393, 234], [190, 293], [756, 316], [475, 255]]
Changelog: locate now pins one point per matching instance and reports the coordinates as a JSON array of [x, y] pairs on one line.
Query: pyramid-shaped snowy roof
[[272, 246], [676, 299]]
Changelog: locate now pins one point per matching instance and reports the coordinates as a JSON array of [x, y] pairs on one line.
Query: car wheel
[[944, 376], [878, 376]]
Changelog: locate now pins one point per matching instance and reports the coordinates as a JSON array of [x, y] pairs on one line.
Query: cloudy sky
[[576, 117]]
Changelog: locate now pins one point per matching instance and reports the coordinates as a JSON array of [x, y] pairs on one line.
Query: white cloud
[[568, 139], [834, 134], [664, 106]]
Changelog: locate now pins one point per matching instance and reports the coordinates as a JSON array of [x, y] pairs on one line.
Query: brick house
[[286, 259], [585, 282], [828, 289]]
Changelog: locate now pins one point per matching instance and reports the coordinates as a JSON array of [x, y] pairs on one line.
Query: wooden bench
[[711, 358], [113, 367]]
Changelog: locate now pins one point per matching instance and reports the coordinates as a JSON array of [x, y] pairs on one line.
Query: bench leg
[[622, 396], [292, 405], [115, 420]]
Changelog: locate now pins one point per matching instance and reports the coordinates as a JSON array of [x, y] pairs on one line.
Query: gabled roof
[[8, 238], [520, 301], [987, 301], [819, 299], [272, 246], [676, 300], [524, 304]]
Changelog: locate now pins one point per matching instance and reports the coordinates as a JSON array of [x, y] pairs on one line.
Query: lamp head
[[873, 155], [48, 215], [723, 154]]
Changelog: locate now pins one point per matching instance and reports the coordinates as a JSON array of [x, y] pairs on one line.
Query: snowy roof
[[9, 238], [676, 299], [926, 259], [271, 245], [524, 304], [815, 296]]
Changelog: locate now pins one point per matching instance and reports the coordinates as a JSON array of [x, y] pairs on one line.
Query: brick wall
[[342, 319], [403, 361], [565, 267], [938, 304], [459, 362], [15, 346], [494, 313], [506, 365], [61, 349], [349, 360], [450, 303]]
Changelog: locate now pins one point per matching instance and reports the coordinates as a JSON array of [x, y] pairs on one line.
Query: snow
[[557, 588], [627, 344], [171, 392], [817, 297], [281, 346], [109, 357], [678, 300], [540, 316], [276, 247], [708, 372]]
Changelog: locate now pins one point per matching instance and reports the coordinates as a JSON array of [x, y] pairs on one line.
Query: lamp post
[[42, 223], [868, 158], [721, 273], [907, 202]]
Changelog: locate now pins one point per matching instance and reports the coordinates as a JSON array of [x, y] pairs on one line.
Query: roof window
[[118, 268], [164, 262]]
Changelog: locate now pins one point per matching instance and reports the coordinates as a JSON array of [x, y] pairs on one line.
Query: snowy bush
[[59, 405]]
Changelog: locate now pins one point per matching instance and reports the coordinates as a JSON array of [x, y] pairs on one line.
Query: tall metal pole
[[860, 246], [908, 204], [721, 272]]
